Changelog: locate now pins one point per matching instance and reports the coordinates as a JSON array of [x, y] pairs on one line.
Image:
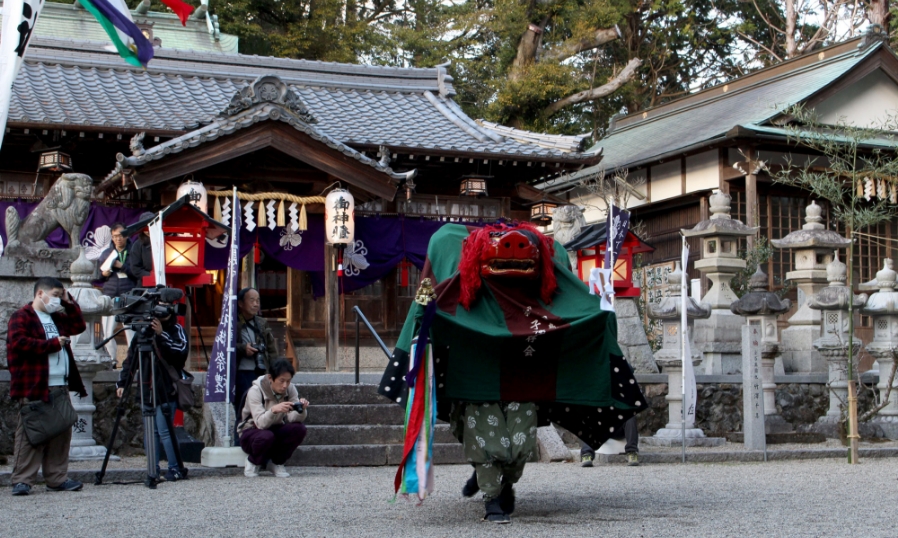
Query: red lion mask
[[507, 251]]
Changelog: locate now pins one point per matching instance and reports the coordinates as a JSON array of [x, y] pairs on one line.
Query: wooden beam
[[332, 306]]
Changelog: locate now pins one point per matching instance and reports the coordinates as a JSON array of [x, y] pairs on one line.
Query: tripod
[[145, 365]]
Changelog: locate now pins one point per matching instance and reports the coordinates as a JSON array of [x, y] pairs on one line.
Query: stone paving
[[792, 498]]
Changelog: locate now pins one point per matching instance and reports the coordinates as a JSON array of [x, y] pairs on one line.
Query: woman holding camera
[[271, 426], [256, 346]]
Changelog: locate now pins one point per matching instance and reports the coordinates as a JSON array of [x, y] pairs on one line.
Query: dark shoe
[[68, 485], [21, 489], [494, 512], [633, 459], [173, 475], [506, 499], [471, 487], [585, 460]]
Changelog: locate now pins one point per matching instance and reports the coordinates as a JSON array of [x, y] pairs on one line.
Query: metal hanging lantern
[[473, 185], [541, 212], [55, 161], [339, 220]]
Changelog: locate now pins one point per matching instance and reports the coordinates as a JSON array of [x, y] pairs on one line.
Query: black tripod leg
[[149, 416], [119, 413]]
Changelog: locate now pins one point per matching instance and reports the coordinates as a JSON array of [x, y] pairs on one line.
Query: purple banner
[[302, 250], [617, 226], [223, 364], [96, 234]]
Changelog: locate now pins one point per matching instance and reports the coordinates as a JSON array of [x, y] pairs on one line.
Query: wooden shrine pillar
[[294, 298], [248, 270], [332, 306]]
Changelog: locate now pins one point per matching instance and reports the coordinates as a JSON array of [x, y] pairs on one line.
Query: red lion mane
[[474, 245]]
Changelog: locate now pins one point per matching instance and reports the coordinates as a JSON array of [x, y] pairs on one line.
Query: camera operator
[[118, 279], [171, 342], [256, 346], [42, 368], [271, 426]]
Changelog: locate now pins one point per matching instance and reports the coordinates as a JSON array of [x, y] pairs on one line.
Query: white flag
[[157, 243], [689, 390], [19, 18]]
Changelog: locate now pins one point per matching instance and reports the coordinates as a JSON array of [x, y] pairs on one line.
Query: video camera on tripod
[[137, 308]]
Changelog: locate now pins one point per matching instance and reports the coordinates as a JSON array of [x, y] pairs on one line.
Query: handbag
[[43, 421], [182, 390]]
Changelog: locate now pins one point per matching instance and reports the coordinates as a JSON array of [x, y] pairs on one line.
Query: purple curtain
[[216, 256], [56, 239], [302, 250]]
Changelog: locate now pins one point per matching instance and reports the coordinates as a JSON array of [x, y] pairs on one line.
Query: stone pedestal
[[719, 337], [832, 301], [812, 247], [760, 339], [631, 336], [94, 306], [882, 306]]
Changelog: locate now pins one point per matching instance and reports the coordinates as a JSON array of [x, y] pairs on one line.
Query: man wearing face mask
[[41, 367]]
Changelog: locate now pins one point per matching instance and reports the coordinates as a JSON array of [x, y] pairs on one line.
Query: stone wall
[[129, 440]]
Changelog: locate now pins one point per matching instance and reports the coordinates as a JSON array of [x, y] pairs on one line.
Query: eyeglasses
[[117, 236]]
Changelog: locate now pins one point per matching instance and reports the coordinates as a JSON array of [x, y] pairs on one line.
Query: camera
[[297, 406], [260, 356], [137, 308]]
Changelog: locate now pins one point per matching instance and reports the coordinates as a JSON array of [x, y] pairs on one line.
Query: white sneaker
[[278, 470], [250, 469]]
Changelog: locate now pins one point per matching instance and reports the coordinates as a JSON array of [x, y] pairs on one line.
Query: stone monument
[[718, 337], [94, 305], [833, 343], [882, 306], [812, 247], [669, 358], [631, 337], [760, 308]]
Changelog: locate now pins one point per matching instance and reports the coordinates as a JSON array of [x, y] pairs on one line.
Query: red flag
[[181, 9]]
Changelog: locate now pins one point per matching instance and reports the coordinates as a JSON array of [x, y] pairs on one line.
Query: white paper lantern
[[339, 220], [197, 193]]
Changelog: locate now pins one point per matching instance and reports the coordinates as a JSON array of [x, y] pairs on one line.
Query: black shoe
[[494, 512], [68, 485], [586, 460], [173, 475], [471, 487], [21, 489], [506, 499]]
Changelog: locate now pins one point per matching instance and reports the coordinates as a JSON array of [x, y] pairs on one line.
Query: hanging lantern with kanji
[[339, 219]]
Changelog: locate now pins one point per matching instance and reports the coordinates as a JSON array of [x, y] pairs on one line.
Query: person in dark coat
[[141, 255], [171, 341], [118, 279]]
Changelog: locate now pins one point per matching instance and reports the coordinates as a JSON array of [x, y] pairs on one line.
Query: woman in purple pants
[[271, 424]]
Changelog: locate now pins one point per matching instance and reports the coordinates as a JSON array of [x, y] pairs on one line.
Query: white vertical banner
[[689, 390], [157, 243], [19, 18]]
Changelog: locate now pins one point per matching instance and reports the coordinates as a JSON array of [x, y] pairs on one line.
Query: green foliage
[[755, 257]]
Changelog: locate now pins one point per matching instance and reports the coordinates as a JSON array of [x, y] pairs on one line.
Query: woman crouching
[[271, 424]]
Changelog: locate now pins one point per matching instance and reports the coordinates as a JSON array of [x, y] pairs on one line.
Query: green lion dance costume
[[515, 341]]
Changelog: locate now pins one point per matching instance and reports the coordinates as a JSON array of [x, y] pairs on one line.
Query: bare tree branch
[[608, 88], [570, 47], [758, 44]]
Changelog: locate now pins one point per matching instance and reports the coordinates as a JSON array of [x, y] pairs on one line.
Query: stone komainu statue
[[66, 205], [567, 221]]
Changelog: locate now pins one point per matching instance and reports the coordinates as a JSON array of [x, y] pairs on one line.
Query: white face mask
[[52, 305]]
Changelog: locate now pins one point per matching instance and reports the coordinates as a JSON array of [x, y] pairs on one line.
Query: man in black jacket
[[170, 340], [115, 269], [141, 255]]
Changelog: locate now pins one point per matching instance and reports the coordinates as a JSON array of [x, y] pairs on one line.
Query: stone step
[[358, 434], [804, 438], [341, 394], [368, 455], [373, 414]]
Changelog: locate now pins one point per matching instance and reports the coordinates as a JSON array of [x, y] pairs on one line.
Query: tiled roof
[[70, 84], [71, 22], [709, 116]]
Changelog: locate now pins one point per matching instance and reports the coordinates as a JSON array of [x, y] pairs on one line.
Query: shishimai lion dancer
[[508, 339]]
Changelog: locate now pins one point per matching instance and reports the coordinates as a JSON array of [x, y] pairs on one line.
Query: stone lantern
[[719, 337], [833, 301], [812, 247], [94, 305], [760, 308], [669, 358], [882, 306]]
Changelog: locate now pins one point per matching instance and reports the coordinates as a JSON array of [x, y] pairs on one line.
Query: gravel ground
[[789, 498]]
